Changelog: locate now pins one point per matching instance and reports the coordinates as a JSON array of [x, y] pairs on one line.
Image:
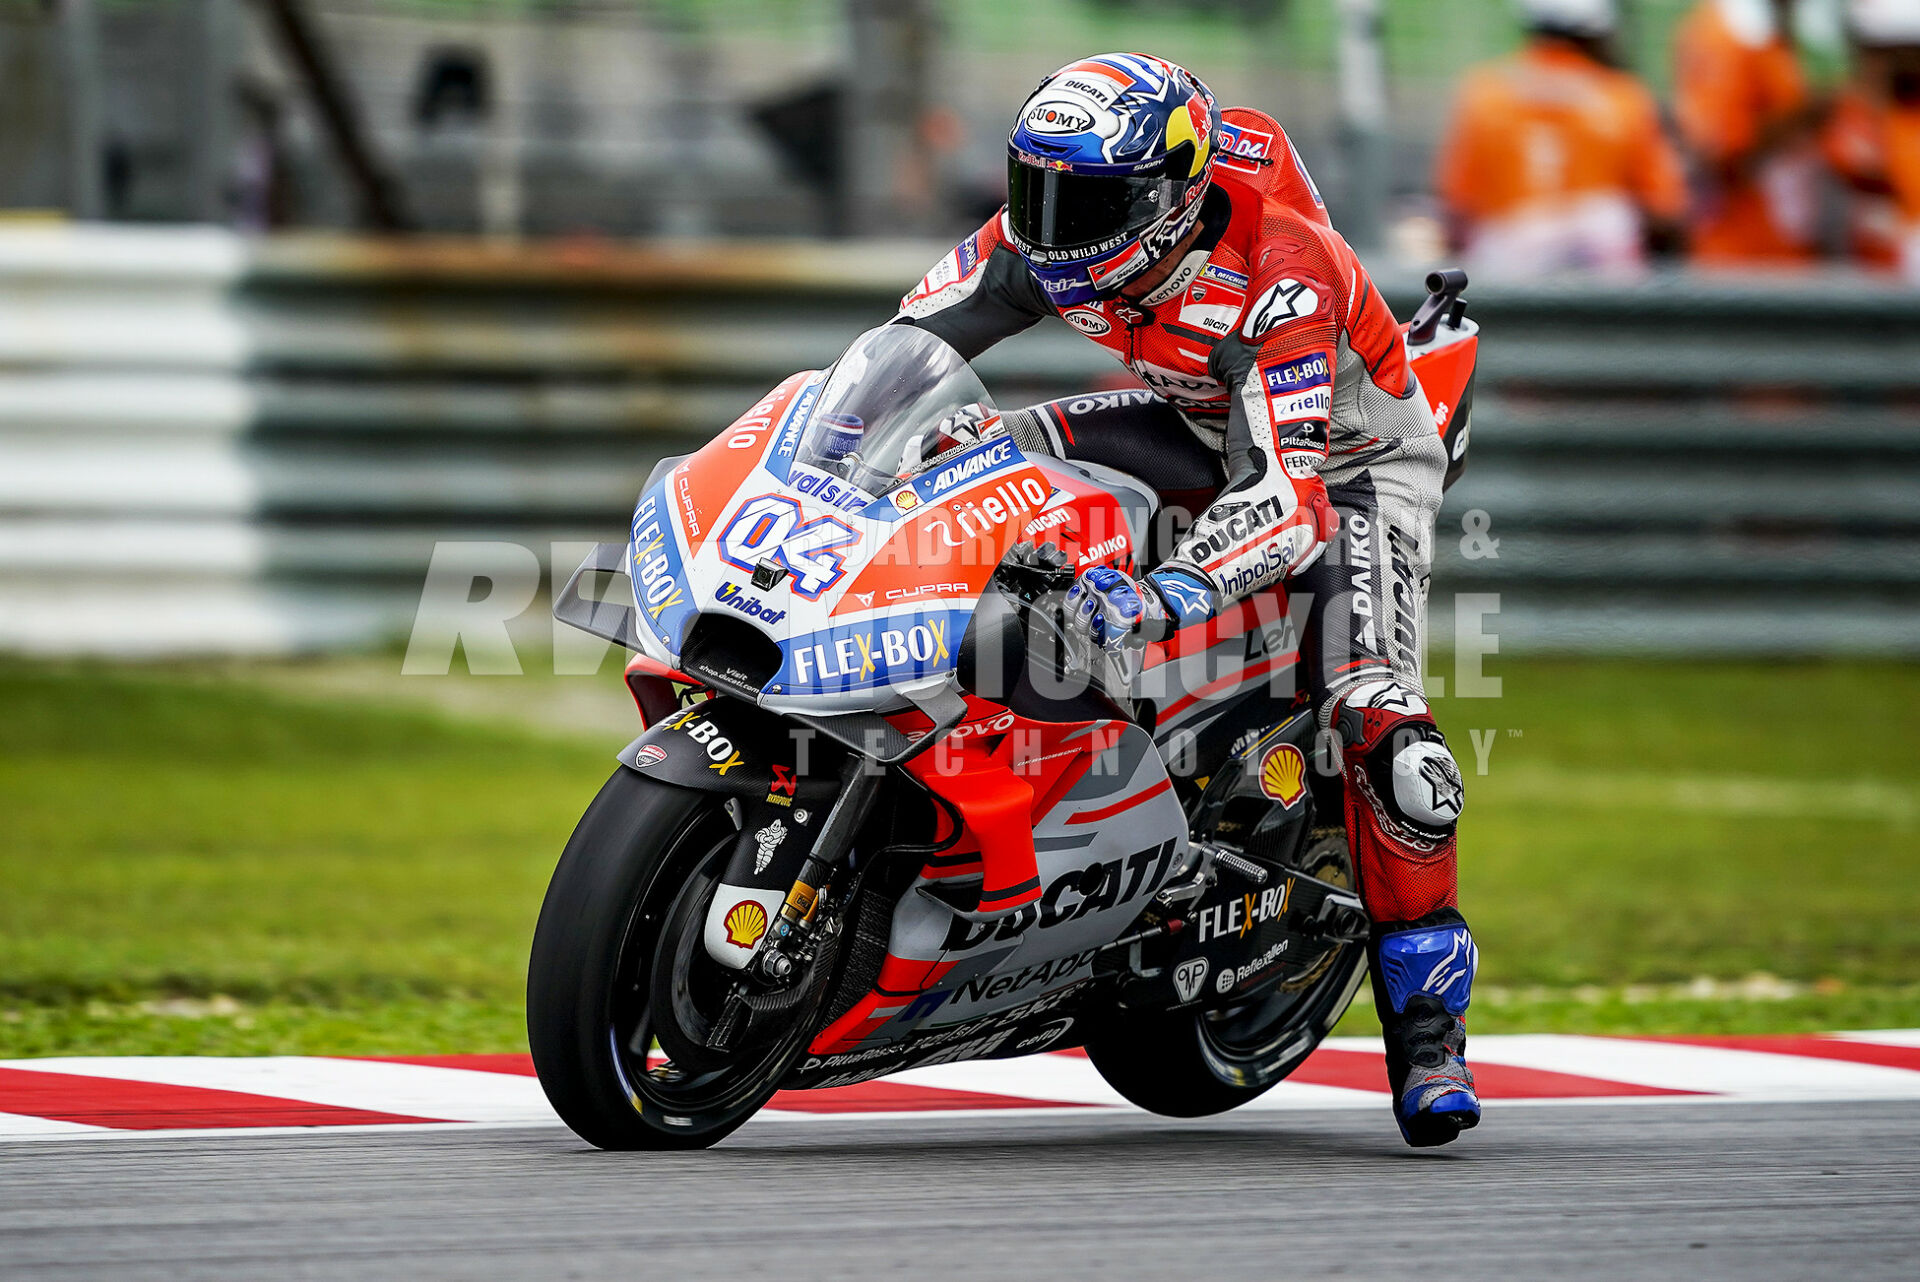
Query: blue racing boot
[[1422, 981]]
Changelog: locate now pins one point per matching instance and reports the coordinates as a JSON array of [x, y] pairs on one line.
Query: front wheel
[[617, 958]]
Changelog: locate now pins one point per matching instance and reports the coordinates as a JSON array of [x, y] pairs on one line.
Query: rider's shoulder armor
[[1257, 156]]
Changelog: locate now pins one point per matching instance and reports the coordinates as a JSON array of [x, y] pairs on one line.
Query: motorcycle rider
[[1193, 244]]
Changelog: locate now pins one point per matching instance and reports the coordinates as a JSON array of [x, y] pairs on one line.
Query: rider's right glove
[[1109, 607], [1114, 609]]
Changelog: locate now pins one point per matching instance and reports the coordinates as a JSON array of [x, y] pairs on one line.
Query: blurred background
[[292, 291]]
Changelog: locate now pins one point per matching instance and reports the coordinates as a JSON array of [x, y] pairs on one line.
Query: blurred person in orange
[[1555, 158], [1745, 112], [1872, 139]]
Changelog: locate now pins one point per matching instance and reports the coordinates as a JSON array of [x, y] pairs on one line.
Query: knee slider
[[1427, 792], [1397, 757]]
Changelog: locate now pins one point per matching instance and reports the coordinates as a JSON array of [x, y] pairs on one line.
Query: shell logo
[[746, 921], [1283, 774]]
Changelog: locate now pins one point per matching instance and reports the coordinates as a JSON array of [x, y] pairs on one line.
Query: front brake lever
[[1033, 570]]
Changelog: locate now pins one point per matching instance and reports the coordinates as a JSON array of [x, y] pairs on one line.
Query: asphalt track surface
[[1665, 1190]]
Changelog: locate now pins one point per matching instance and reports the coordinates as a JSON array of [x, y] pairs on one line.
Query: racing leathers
[[1269, 347], [1282, 398]]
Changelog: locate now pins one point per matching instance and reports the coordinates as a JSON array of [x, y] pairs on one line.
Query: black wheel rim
[[1259, 1041], [663, 929], [1255, 1031]]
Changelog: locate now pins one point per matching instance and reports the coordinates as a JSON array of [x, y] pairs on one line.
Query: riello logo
[[979, 514]]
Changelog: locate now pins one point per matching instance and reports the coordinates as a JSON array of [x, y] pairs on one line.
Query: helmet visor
[[1052, 209]]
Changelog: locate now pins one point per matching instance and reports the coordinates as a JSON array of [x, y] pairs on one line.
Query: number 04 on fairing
[[884, 813]]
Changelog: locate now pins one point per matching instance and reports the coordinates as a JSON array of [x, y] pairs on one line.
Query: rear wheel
[[1197, 1063], [618, 969]]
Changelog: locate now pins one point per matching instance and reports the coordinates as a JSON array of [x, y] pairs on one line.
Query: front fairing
[[875, 593]]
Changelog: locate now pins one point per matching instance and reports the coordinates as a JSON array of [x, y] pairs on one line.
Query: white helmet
[[1590, 18], [1884, 22]]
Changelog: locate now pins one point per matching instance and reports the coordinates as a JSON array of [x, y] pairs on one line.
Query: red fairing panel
[[1039, 804], [1445, 373]]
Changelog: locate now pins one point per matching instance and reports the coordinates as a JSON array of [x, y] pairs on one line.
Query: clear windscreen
[[891, 403]]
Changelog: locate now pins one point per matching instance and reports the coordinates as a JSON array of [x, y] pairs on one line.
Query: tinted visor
[[1050, 209]]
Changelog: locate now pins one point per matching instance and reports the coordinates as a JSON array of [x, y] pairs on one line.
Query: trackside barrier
[[213, 444]]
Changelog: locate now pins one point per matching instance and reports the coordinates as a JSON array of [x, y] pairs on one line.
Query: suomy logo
[[1087, 321], [1059, 117]]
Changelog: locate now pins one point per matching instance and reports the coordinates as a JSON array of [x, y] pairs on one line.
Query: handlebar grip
[[1444, 288]]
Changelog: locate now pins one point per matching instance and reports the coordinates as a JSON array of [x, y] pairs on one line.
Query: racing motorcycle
[[887, 812]]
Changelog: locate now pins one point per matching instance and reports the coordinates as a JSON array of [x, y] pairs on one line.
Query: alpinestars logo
[[1462, 959], [1442, 778], [1190, 601], [1188, 976], [1285, 300]]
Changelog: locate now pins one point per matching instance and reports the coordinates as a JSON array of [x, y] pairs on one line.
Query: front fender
[[727, 746]]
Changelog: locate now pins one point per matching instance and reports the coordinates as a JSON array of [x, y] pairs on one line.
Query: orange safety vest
[[1540, 130], [1729, 85], [1877, 144]]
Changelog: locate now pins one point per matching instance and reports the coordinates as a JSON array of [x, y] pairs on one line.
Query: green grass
[[229, 860], [1653, 824], [356, 877]]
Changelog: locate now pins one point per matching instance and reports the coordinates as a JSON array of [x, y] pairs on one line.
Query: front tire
[[636, 876]]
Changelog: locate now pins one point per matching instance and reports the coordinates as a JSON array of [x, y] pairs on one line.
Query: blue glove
[[1109, 607], [1188, 599], [1115, 609]]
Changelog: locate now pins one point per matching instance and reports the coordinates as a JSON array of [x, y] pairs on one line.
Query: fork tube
[[859, 787]]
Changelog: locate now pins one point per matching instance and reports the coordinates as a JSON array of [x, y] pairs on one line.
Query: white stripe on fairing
[[1881, 1037], [16, 1125], [1745, 1074], [446, 1094]]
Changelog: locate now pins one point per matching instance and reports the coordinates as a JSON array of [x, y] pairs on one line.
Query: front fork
[[779, 885]]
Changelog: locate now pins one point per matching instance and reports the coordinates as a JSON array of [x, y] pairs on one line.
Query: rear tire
[[1179, 1063], [636, 875], [1197, 1063]]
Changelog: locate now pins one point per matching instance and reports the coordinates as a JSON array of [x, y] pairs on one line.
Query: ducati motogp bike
[[887, 812]]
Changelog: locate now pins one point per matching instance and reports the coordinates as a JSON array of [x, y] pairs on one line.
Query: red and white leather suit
[[1269, 349]]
